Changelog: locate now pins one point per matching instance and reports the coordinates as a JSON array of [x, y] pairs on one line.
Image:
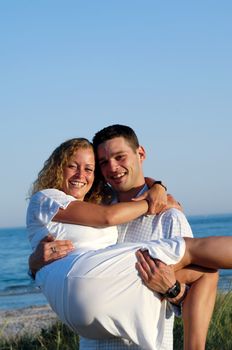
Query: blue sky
[[69, 68]]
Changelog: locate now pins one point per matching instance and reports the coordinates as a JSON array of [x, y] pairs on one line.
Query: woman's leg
[[211, 252], [198, 305]]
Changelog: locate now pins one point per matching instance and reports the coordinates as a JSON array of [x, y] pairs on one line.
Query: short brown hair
[[117, 130]]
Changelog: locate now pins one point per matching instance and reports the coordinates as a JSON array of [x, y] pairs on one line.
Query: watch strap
[[174, 291], [161, 184]]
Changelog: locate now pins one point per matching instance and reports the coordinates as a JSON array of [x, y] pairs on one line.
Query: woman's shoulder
[[52, 194], [48, 192]]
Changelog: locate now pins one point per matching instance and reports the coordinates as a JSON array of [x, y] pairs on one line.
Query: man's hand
[[48, 251], [156, 275]]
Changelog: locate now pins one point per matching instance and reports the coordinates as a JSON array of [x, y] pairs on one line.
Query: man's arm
[[157, 276]]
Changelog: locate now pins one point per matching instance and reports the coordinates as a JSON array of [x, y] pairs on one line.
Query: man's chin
[[119, 184], [122, 187]]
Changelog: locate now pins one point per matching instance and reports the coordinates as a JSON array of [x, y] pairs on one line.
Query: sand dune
[[14, 323]]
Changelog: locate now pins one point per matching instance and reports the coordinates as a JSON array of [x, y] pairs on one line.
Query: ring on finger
[[53, 249]]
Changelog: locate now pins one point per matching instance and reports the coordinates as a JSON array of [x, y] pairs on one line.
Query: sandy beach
[[14, 323]]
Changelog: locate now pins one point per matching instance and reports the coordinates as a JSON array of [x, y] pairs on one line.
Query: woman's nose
[[79, 172]]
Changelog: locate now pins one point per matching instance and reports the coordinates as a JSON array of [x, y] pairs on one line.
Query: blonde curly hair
[[51, 175]]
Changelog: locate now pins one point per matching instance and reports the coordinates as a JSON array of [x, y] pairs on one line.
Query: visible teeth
[[117, 176], [77, 184]]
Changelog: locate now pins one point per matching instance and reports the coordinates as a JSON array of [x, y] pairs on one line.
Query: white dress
[[96, 289]]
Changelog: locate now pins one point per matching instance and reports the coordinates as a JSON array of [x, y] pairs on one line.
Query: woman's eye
[[72, 166]]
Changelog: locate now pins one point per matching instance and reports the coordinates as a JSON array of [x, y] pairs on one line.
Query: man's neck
[[127, 196]]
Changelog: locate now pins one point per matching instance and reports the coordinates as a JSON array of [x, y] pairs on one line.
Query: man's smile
[[118, 175]]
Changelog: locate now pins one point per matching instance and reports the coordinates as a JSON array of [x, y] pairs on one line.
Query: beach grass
[[220, 330], [56, 337], [59, 337]]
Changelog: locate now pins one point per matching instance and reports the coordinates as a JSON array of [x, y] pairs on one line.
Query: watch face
[[174, 291]]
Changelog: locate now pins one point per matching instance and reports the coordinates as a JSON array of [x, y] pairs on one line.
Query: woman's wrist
[[150, 182], [147, 203]]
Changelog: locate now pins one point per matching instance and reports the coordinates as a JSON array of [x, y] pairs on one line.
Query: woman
[[89, 288]]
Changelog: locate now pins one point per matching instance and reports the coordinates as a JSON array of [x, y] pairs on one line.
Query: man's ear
[[142, 153]]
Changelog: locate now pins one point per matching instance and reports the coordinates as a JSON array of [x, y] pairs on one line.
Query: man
[[120, 158]]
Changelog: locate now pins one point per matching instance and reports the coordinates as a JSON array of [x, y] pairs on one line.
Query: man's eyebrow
[[112, 155]]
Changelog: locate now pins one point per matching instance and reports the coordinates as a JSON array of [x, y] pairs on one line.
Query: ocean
[[17, 290]]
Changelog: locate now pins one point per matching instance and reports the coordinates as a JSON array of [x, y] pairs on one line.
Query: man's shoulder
[[170, 214], [177, 221], [173, 212], [174, 215]]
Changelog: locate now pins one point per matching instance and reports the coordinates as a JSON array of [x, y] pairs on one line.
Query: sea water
[[18, 290]]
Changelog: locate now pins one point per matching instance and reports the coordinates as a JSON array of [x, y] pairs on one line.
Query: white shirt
[[59, 289], [169, 224]]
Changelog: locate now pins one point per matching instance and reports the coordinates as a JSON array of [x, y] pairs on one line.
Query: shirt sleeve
[[177, 224], [42, 208]]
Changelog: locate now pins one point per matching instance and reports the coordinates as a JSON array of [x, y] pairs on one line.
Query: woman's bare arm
[[89, 214], [83, 213]]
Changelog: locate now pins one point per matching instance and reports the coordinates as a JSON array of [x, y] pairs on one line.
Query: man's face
[[120, 165]]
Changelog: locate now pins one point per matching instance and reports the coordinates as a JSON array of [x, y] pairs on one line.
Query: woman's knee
[[212, 276]]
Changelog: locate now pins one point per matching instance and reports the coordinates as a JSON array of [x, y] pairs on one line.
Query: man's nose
[[113, 165]]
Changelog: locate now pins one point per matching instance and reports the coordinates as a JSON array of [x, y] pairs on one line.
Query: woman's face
[[78, 174]]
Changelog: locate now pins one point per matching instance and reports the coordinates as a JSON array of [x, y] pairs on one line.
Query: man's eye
[[120, 157], [89, 170]]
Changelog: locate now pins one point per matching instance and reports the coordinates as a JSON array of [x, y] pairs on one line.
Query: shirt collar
[[144, 189]]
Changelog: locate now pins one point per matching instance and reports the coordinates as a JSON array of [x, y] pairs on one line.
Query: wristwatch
[[161, 184], [173, 291]]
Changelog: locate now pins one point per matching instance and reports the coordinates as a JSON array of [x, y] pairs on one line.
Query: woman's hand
[[156, 197], [47, 251], [172, 203]]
